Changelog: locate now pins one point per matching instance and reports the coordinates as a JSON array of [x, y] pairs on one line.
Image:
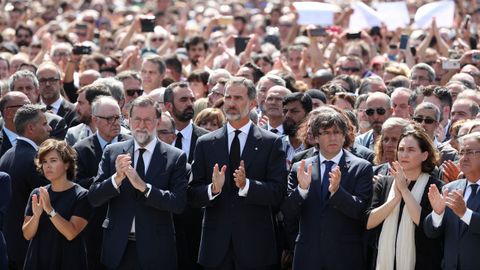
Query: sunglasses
[[347, 69], [156, 39], [379, 111], [426, 120], [132, 92]]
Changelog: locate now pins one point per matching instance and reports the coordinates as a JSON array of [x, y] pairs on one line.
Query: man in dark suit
[[32, 127], [106, 115], [456, 211], [9, 104], [49, 78], [178, 100], [143, 181], [26, 82], [5, 193], [329, 193], [239, 177]]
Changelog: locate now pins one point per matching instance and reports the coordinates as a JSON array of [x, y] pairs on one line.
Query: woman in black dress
[[57, 213], [400, 204]]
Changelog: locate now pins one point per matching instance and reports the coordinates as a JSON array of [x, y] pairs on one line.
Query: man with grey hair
[[238, 163], [263, 85], [157, 95], [274, 109], [115, 87], [463, 109], [166, 129], [372, 84], [401, 107], [421, 75], [466, 79], [32, 128], [106, 117], [26, 82], [216, 75], [379, 109]]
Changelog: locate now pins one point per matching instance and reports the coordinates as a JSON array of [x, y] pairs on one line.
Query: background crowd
[[232, 135]]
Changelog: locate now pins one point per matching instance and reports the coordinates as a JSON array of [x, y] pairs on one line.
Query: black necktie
[[140, 168], [274, 130], [471, 199], [178, 141], [325, 180], [49, 107], [235, 152]]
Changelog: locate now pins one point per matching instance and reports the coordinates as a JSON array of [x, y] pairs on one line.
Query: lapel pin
[[256, 148]]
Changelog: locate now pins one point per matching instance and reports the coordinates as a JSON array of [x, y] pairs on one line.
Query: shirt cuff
[[115, 183], [149, 190], [210, 194], [243, 192], [437, 219], [303, 192], [467, 216]]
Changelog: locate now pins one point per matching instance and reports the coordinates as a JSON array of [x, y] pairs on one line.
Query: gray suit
[[461, 245], [79, 132]]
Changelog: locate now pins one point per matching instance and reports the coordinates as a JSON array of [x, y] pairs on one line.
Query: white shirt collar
[[245, 129], [335, 159], [149, 147], [279, 128], [104, 142], [55, 105], [186, 132], [32, 143], [12, 136]]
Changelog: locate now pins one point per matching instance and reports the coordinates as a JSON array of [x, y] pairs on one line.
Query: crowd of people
[[228, 135]]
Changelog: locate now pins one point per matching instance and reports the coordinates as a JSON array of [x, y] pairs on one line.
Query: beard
[[184, 116], [290, 127], [142, 137], [233, 114]]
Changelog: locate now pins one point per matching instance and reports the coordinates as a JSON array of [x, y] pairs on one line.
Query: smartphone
[[403, 42], [147, 24], [351, 36], [450, 64], [240, 44], [318, 32], [476, 57], [77, 50], [413, 50], [225, 20]]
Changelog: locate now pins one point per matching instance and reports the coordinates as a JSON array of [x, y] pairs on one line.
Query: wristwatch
[[52, 213], [147, 189]]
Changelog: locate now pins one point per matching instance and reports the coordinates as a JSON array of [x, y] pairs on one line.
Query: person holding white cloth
[[399, 206]]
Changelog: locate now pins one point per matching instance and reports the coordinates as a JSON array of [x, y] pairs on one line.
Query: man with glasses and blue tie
[[456, 210], [379, 109], [330, 193]]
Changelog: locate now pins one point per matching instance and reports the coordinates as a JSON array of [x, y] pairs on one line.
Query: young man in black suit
[[330, 193], [32, 127], [239, 175], [143, 181]]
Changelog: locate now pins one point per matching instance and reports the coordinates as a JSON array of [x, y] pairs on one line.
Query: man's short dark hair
[[168, 94], [172, 62], [256, 71], [194, 41], [156, 60], [93, 91], [303, 98], [26, 115]]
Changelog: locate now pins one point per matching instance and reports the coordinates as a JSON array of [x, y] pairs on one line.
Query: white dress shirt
[[242, 137], [55, 105], [103, 142], [279, 128], [186, 138], [12, 136], [437, 219], [335, 159]]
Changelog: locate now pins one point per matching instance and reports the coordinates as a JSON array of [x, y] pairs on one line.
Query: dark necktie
[[235, 152], [140, 168], [471, 199], [325, 180], [178, 141], [49, 107], [274, 130]]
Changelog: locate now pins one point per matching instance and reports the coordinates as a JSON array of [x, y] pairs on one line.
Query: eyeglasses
[[146, 121], [110, 119], [426, 120], [352, 69], [49, 80], [379, 111], [165, 132], [156, 39], [468, 153], [132, 92]]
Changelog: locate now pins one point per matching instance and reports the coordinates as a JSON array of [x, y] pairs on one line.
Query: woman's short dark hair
[[65, 151], [425, 144]]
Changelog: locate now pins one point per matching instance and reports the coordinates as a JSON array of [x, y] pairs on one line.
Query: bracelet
[[52, 213]]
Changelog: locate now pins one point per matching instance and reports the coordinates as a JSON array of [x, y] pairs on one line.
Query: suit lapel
[[220, 147], [157, 163], [252, 146], [193, 141], [96, 147]]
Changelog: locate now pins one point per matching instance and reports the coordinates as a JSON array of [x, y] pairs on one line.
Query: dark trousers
[[230, 263], [130, 259]]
